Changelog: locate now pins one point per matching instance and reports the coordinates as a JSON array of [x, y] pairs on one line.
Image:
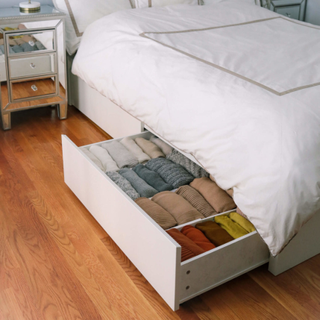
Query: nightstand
[[32, 61], [295, 9]]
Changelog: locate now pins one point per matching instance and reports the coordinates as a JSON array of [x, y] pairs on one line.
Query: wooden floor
[[56, 262]]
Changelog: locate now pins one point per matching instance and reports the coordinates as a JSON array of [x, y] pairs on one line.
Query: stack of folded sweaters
[[151, 169], [143, 167], [199, 200], [210, 234]]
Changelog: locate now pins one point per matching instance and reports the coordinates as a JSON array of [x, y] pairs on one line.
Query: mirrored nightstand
[[32, 61], [295, 9]]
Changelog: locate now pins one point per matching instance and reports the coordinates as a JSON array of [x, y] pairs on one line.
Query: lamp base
[[27, 7]]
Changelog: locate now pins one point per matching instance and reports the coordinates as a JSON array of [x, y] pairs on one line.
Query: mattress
[[232, 84]]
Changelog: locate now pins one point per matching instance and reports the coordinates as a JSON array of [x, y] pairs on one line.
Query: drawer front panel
[[33, 88], [32, 66], [27, 42], [137, 235], [289, 11]]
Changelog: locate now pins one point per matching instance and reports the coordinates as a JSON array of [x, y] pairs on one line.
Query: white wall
[[313, 11], [10, 3]]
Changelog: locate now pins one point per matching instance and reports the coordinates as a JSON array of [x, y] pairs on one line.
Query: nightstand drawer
[[34, 88], [31, 42], [32, 66], [289, 11]]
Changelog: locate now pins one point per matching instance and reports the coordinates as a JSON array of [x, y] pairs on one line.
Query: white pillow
[[162, 3], [81, 13]]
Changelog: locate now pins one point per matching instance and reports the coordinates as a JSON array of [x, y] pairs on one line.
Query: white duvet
[[241, 96]]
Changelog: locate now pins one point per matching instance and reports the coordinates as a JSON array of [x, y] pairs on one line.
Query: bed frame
[[118, 123]]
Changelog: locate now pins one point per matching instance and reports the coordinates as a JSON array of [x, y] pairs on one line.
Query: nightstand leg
[[62, 110], [6, 121]]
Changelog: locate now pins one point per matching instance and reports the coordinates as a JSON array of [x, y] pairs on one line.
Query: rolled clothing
[[102, 154], [27, 47], [123, 184], [188, 248], [244, 223], [230, 192], [241, 213], [152, 178], [120, 154], [135, 150], [144, 189], [177, 157], [170, 172], [151, 149], [177, 206], [17, 49], [214, 232], [233, 228], [162, 217], [218, 198], [165, 148], [197, 237], [196, 200], [93, 158], [40, 46]]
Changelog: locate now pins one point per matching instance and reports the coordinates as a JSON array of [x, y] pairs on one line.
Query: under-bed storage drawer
[[146, 244]]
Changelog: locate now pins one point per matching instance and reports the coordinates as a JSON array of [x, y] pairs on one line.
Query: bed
[[218, 107]]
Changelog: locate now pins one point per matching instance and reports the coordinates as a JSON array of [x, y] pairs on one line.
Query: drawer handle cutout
[[34, 87], [32, 65]]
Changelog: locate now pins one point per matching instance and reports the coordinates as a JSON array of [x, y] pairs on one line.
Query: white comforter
[[244, 99]]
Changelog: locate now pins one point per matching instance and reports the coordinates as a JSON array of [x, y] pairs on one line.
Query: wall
[[10, 3], [313, 11]]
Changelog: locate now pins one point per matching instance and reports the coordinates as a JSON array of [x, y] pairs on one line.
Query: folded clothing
[[93, 158], [151, 149], [144, 189], [196, 200], [234, 229], [244, 223], [177, 206], [218, 198], [135, 150], [162, 217], [197, 237], [166, 149], [102, 154], [170, 172], [120, 154], [152, 178], [123, 184], [188, 248], [214, 232], [177, 157]]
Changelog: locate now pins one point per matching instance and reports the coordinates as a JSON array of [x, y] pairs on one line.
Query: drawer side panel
[[221, 265], [144, 243]]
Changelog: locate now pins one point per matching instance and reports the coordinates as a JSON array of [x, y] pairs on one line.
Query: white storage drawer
[[147, 245]]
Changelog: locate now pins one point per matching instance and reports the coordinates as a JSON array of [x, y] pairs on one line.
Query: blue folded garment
[[17, 49], [152, 178], [170, 172], [144, 189]]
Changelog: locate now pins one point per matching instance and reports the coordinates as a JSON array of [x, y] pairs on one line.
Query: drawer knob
[[288, 15], [32, 65], [34, 87]]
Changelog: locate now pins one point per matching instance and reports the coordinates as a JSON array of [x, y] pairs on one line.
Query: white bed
[[278, 202]]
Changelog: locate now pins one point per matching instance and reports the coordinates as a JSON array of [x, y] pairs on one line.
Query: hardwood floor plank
[[10, 309]]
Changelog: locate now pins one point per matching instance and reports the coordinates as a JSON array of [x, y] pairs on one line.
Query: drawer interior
[[180, 281]]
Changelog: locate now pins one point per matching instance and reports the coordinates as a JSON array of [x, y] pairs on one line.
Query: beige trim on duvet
[[144, 35]]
